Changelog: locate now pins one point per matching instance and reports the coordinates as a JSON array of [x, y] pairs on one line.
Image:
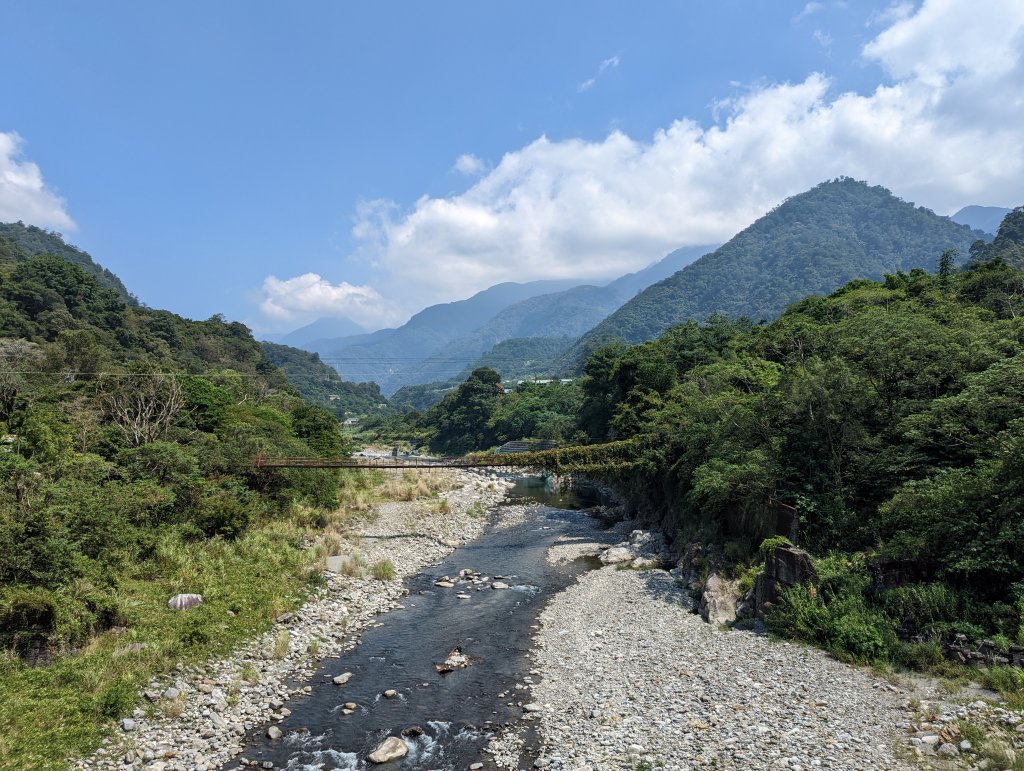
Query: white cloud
[[823, 38], [23, 193], [586, 85], [469, 165], [305, 297], [945, 130], [809, 10]]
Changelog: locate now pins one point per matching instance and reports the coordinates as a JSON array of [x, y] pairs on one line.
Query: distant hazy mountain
[[324, 328], [29, 240], [385, 355], [813, 243], [983, 218], [440, 341], [632, 283]]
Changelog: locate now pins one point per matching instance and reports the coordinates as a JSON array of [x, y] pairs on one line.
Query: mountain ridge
[[812, 243]]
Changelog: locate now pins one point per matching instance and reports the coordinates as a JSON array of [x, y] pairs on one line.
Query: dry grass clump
[[383, 570], [282, 643]]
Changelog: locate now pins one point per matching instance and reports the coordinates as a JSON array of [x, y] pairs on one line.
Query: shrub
[[383, 570]]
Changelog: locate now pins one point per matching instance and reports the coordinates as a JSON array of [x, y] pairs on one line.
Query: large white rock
[[617, 555], [393, 748], [184, 601], [718, 603]]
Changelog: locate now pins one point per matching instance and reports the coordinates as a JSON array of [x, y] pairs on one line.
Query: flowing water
[[456, 712]]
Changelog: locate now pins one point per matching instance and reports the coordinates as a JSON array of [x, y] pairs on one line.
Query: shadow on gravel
[[664, 587]]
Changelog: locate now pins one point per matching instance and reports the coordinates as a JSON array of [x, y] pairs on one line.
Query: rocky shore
[[626, 674], [197, 718]]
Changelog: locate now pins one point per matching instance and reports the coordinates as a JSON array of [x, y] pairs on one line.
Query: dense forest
[[21, 241], [889, 415], [127, 439]]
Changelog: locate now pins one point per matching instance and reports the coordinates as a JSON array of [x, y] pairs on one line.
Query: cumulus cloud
[[469, 165], [309, 296], [588, 84], [945, 129], [23, 193]]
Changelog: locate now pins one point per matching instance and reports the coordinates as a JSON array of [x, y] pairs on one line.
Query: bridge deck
[[390, 462]]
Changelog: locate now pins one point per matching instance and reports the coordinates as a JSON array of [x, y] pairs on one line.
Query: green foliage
[[23, 241], [321, 384], [126, 425], [769, 545]]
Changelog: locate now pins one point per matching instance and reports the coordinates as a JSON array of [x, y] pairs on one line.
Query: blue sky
[[278, 162]]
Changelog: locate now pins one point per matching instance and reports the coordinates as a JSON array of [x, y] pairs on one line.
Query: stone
[[171, 693], [274, 732], [128, 724], [533, 707], [392, 748], [499, 585], [390, 693], [948, 750], [718, 602], [617, 555], [444, 584], [350, 705], [184, 601], [343, 678], [336, 564]]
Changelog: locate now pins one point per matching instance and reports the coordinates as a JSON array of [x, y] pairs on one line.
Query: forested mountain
[[983, 218], [27, 240], [320, 384], [811, 244], [1007, 246]]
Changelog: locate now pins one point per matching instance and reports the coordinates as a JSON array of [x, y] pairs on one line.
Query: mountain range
[[440, 341]]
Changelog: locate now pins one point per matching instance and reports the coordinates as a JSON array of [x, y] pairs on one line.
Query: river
[[447, 718]]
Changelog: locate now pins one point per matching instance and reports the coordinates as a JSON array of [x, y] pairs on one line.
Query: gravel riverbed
[[196, 718], [629, 677]]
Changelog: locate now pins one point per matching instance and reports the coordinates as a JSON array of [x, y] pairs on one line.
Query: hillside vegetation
[[127, 439], [320, 384], [813, 243], [22, 241]]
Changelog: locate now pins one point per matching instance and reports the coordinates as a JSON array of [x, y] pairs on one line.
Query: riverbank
[[198, 718], [627, 677]]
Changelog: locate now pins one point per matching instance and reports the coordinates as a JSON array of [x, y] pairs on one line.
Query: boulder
[[718, 602], [184, 601], [392, 748], [790, 566], [785, 567]]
